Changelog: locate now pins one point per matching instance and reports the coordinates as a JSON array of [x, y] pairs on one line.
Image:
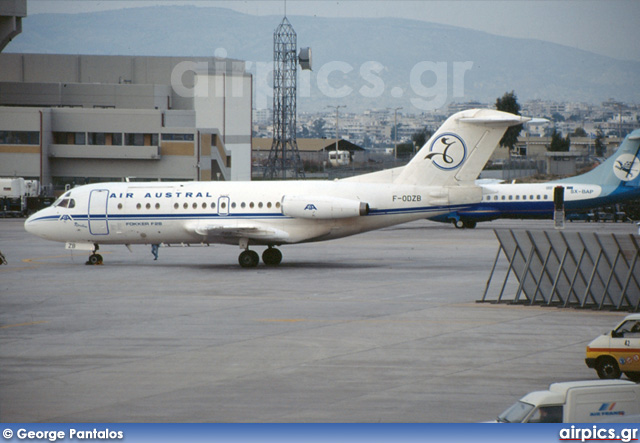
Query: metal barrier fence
[[569, 269]]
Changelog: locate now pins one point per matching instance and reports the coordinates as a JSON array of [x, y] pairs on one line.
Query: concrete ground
[[380, 327]]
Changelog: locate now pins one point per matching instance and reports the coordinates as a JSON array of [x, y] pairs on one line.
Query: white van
[[576, 402], [617, 351]]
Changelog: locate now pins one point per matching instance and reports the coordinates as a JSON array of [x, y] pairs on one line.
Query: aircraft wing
[[253, 232]]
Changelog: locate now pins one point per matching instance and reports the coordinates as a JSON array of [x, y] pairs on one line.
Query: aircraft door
[[223, 205], [97, 214]]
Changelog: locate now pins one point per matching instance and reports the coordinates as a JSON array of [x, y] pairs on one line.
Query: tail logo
[[626, 167], [447, 152]]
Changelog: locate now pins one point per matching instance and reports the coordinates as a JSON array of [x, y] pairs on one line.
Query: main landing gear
[[464, 224], [250, 259], [94, 259]]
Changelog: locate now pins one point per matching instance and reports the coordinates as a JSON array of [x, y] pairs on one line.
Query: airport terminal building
[[75, 119]]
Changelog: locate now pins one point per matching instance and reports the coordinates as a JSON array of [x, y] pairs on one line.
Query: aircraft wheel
[[272, 257], [469, 224], [248, 259], [458, 224], [94, 259], [607, 368]]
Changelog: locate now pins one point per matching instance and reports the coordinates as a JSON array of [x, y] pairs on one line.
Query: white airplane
[[614, 181], [438, 180]]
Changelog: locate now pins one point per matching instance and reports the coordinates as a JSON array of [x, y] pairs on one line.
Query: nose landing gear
[[94, 258]]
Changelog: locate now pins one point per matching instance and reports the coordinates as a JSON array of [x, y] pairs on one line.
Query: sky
[[607, 27]]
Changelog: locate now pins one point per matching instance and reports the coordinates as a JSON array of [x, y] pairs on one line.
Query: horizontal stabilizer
[[509, 119]]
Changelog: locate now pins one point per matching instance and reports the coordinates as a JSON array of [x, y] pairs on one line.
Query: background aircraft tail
[[621, 170], [459, 150]]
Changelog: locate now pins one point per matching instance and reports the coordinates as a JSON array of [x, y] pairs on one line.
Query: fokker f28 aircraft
[[614, 181], [438, 180]]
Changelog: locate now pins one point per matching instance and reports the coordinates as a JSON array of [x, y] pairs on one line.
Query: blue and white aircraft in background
[[614, 181], [439, 180]]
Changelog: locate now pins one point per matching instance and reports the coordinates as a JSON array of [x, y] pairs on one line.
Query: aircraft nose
[[34, 224], [29, 224]]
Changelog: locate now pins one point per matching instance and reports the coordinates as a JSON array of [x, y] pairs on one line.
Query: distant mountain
[[363, 63]]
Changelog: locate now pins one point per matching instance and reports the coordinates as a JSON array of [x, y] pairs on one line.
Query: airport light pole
[[395, 129], [337, 127]]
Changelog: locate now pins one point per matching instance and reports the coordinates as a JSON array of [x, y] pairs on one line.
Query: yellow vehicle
[[618, 351]]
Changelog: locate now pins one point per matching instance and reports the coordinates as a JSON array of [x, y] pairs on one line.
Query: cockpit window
[[65, 203]]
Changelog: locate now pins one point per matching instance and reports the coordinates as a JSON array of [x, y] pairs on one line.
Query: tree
[[303, 133], [601, 148], [509, 103], [317, 129], [404, 150], [420, 138], [558, 144], [579, 132]]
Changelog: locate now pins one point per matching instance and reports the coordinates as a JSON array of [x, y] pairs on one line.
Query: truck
[[589, 401], [617, 351], [20, 197], [13, 196]]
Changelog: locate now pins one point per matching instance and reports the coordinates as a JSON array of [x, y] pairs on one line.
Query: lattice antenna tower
[[284, 155]]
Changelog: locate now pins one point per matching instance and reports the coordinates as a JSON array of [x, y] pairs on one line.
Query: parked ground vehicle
[[576, 402], [618, 351], [581, 216]]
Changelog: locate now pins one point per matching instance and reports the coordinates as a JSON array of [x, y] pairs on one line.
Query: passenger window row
[[517, 197], [223, 205]]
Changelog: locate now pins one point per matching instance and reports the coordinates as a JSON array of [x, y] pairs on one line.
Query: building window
[[97, 138], [140, 139], [70, 138], [177, 137], [19, 138], [104, 138], [134, 139]]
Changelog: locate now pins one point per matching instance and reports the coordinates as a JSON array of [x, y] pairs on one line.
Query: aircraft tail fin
[[460, 148], [622, 169]]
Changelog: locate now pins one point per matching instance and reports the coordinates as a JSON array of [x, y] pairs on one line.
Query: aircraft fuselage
[[180, 212]]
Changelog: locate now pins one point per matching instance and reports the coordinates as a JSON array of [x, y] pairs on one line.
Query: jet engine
[[322, 207]]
